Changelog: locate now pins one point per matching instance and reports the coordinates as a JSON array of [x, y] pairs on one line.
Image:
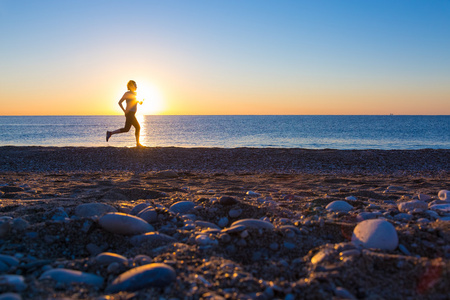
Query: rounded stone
[[68, 276], [411, 205], [444, 195], [339, 206], [138, 208], [151, 275], [441, 207], [182, 207], [14, 282], [10, 296], [88, 210], [253, 223], [227, 200], [235, 212], [107, 258], [148, 214], [153, 239], [375, 233], [124, 224]]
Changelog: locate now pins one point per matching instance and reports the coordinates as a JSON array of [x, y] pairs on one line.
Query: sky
[[226, 57]]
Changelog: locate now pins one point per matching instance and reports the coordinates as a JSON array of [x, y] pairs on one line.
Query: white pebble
[[376, 233], [339, 206]]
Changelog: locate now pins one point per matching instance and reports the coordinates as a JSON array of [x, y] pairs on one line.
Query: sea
[[275, 131]]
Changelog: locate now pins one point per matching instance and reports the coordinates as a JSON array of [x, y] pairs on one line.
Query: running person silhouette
[[130, 113]]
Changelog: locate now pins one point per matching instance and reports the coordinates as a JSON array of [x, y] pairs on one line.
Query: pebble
[[148, 214], [235, 212], [444, 195], [58, 214], [204, 224], [254, 223], [412, 205], [20, 224], [151, 275], [351, 198], [67, 276], [403, 217], [339, 206], [140, 207], [441, 207], [14, 282], [182, 207], [377, 233], [10, 296], [124, 224], [252, 194], [107, 258], [88, 210], [424, 197], [142, 259], [342, 293], [167, 174], [205, 240], [5, 227], [227, 200], [8, 261], [152, 238], [367, 216], [223, 222]]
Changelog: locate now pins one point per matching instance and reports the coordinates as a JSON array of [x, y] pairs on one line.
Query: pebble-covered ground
[[175, 223]]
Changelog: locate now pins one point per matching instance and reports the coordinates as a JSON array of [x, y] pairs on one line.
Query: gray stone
[[339, 206], [10, 296], [412, 205], [67, 276], [154, 239], [151, 275], [254, 223], [14, 282], [138, 208], [182, 207], [148, 214], [88, 210], [107, 258], [205, 224], [227, 200], [235, 212], [124, 224]]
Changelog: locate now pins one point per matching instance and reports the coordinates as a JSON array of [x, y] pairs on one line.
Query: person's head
[[132, 86]]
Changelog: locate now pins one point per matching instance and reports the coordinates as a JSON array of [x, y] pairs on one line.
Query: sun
[[153, 100]]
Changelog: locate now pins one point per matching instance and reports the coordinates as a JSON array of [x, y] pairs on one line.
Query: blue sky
[[227, 57]]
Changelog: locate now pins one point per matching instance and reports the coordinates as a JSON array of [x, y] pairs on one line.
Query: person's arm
[[120, 103]]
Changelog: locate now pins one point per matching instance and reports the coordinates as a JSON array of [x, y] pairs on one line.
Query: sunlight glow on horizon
[[248, 57]]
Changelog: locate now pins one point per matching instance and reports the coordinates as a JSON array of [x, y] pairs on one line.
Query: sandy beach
[[215, 223]]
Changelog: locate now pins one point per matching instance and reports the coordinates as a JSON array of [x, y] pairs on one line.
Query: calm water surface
[[313, 132]]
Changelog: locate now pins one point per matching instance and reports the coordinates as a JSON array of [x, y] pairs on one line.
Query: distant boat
[[391, 114]]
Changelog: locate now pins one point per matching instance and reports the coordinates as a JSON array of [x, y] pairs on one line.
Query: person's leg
[[126, 128], [137, 130]]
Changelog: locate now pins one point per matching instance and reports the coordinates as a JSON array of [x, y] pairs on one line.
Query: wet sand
[[41, 227]]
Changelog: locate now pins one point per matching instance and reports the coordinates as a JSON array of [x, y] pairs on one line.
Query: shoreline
[[426, 162]]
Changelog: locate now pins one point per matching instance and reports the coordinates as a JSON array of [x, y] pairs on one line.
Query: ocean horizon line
[[230, 115]]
